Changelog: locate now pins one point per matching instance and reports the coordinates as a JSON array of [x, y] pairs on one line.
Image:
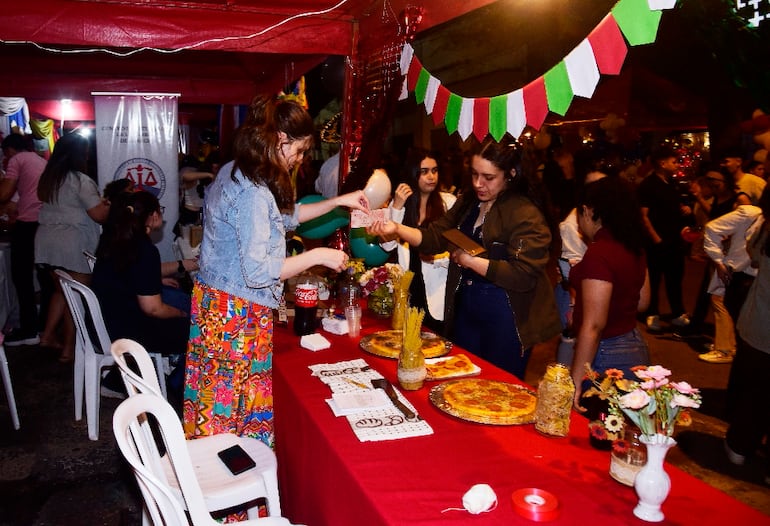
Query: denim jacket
[[244, 239]]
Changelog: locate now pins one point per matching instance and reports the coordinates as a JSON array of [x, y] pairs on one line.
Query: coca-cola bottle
[[305, 305]]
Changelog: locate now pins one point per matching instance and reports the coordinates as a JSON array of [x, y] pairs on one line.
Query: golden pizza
[[485, 401], [450, 367], [388, 344]]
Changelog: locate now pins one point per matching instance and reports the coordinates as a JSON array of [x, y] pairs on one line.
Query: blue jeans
[[622, 352], [485, 325]]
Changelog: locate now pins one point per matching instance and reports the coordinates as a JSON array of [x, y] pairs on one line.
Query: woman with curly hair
[[247, 211], [611, 282]]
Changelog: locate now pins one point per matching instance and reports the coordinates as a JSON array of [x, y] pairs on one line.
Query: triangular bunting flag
[[439, 107], [421, 86], [638, 23], [415, 68], [516, 115], [430, 94], [497, 116], [481, 118], [535, 103], [406, 58], [465, 123], [558, 89], [661, 4], [452, 117], [609, 47], [404, 91], [582, 70]]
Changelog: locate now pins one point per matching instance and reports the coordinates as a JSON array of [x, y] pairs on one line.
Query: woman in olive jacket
[[499, 303]]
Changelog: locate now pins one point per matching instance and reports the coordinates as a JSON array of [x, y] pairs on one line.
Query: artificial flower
[[613, 423], [653, 404]]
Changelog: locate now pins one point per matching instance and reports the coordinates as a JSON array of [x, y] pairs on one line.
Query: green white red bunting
[[602, 52]]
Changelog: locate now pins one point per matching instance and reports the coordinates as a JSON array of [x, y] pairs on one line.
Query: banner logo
[[145, 174]]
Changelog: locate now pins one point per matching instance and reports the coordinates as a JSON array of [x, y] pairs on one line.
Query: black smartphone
[[236, 459]]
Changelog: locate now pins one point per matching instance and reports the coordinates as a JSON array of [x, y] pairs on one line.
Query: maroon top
[[607, 260]]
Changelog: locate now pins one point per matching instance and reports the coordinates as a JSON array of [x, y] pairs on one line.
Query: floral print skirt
[[228, 373]]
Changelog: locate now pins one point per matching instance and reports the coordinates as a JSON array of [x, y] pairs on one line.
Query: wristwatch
[[181, 268]]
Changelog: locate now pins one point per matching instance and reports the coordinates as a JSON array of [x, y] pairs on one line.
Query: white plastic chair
[[90, 355], [221, 489], [130, 425], [8, 387]]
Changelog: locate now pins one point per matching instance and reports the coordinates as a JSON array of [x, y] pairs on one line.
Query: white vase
[[652, 483]]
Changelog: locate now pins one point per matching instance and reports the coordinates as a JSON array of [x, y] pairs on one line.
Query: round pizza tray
[[487, 394], [433, 345]]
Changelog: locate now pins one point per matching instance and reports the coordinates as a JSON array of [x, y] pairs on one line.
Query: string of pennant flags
[[602, 52]]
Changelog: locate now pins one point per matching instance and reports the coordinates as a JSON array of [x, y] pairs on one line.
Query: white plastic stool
[[8, 387]]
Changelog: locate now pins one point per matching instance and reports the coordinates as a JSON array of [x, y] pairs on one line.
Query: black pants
[[22, 273], [666, 261]]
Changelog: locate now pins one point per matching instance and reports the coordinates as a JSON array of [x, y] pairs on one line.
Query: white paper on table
[[314, 342], [353, 402]]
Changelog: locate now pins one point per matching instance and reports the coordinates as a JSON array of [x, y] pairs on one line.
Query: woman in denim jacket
[[247, 211]]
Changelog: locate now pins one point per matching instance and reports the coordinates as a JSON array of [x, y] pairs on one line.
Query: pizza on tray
[[450, 367], [485, 401], [388, 344]]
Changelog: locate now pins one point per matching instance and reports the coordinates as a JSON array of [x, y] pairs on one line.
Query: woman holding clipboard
[[499, 300]]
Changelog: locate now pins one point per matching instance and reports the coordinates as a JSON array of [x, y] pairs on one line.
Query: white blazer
[[434, 270]]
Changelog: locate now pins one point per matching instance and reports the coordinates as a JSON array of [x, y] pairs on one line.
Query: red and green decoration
[[602, 52]]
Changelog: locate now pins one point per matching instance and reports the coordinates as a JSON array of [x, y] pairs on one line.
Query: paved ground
[[52, 475]]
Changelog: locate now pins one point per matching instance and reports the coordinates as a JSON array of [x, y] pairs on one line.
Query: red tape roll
[[535, 504]]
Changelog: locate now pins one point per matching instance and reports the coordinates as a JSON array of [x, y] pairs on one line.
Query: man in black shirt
[[664, 215]]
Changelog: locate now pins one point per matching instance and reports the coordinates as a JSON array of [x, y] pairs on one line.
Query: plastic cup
[[353, 315]]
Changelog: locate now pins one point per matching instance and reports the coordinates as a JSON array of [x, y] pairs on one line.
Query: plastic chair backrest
[[141, 451], [84, 309], [146, 380]]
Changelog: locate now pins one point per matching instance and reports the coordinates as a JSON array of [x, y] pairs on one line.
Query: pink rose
[[684, 388], [681, 400], [634, 400], [654, 372]]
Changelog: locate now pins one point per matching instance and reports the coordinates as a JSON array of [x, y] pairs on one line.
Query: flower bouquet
[[654, 405], [378, 284]]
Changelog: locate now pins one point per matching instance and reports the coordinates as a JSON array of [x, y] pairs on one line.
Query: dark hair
[[661, 153], [256, 146], [70, 154], [506, 155], [614, 202], [707, 167], [435, 206], [113, 189], [15, 141], [125, 227]]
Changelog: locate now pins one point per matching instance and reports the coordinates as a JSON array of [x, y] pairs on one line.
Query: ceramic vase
[[652, 483]]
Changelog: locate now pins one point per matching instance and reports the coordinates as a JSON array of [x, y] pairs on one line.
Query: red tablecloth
[[328, 478]]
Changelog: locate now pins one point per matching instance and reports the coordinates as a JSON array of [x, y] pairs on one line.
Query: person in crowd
[[663, 216], [611, 282], [499, 303], [573, 246], [193, 179], [418, 202], [327, 182], [559, 180], [747, 183], [748, 396], [243, 264], [724, 198], [69, 225], [128, 279], [725, 243], [757, 168], [23, 170]]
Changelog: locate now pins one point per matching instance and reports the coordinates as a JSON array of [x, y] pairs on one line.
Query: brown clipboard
[[462, 241]]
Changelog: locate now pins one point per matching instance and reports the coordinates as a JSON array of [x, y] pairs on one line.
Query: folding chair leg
[[9, 388], [92, 399]]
